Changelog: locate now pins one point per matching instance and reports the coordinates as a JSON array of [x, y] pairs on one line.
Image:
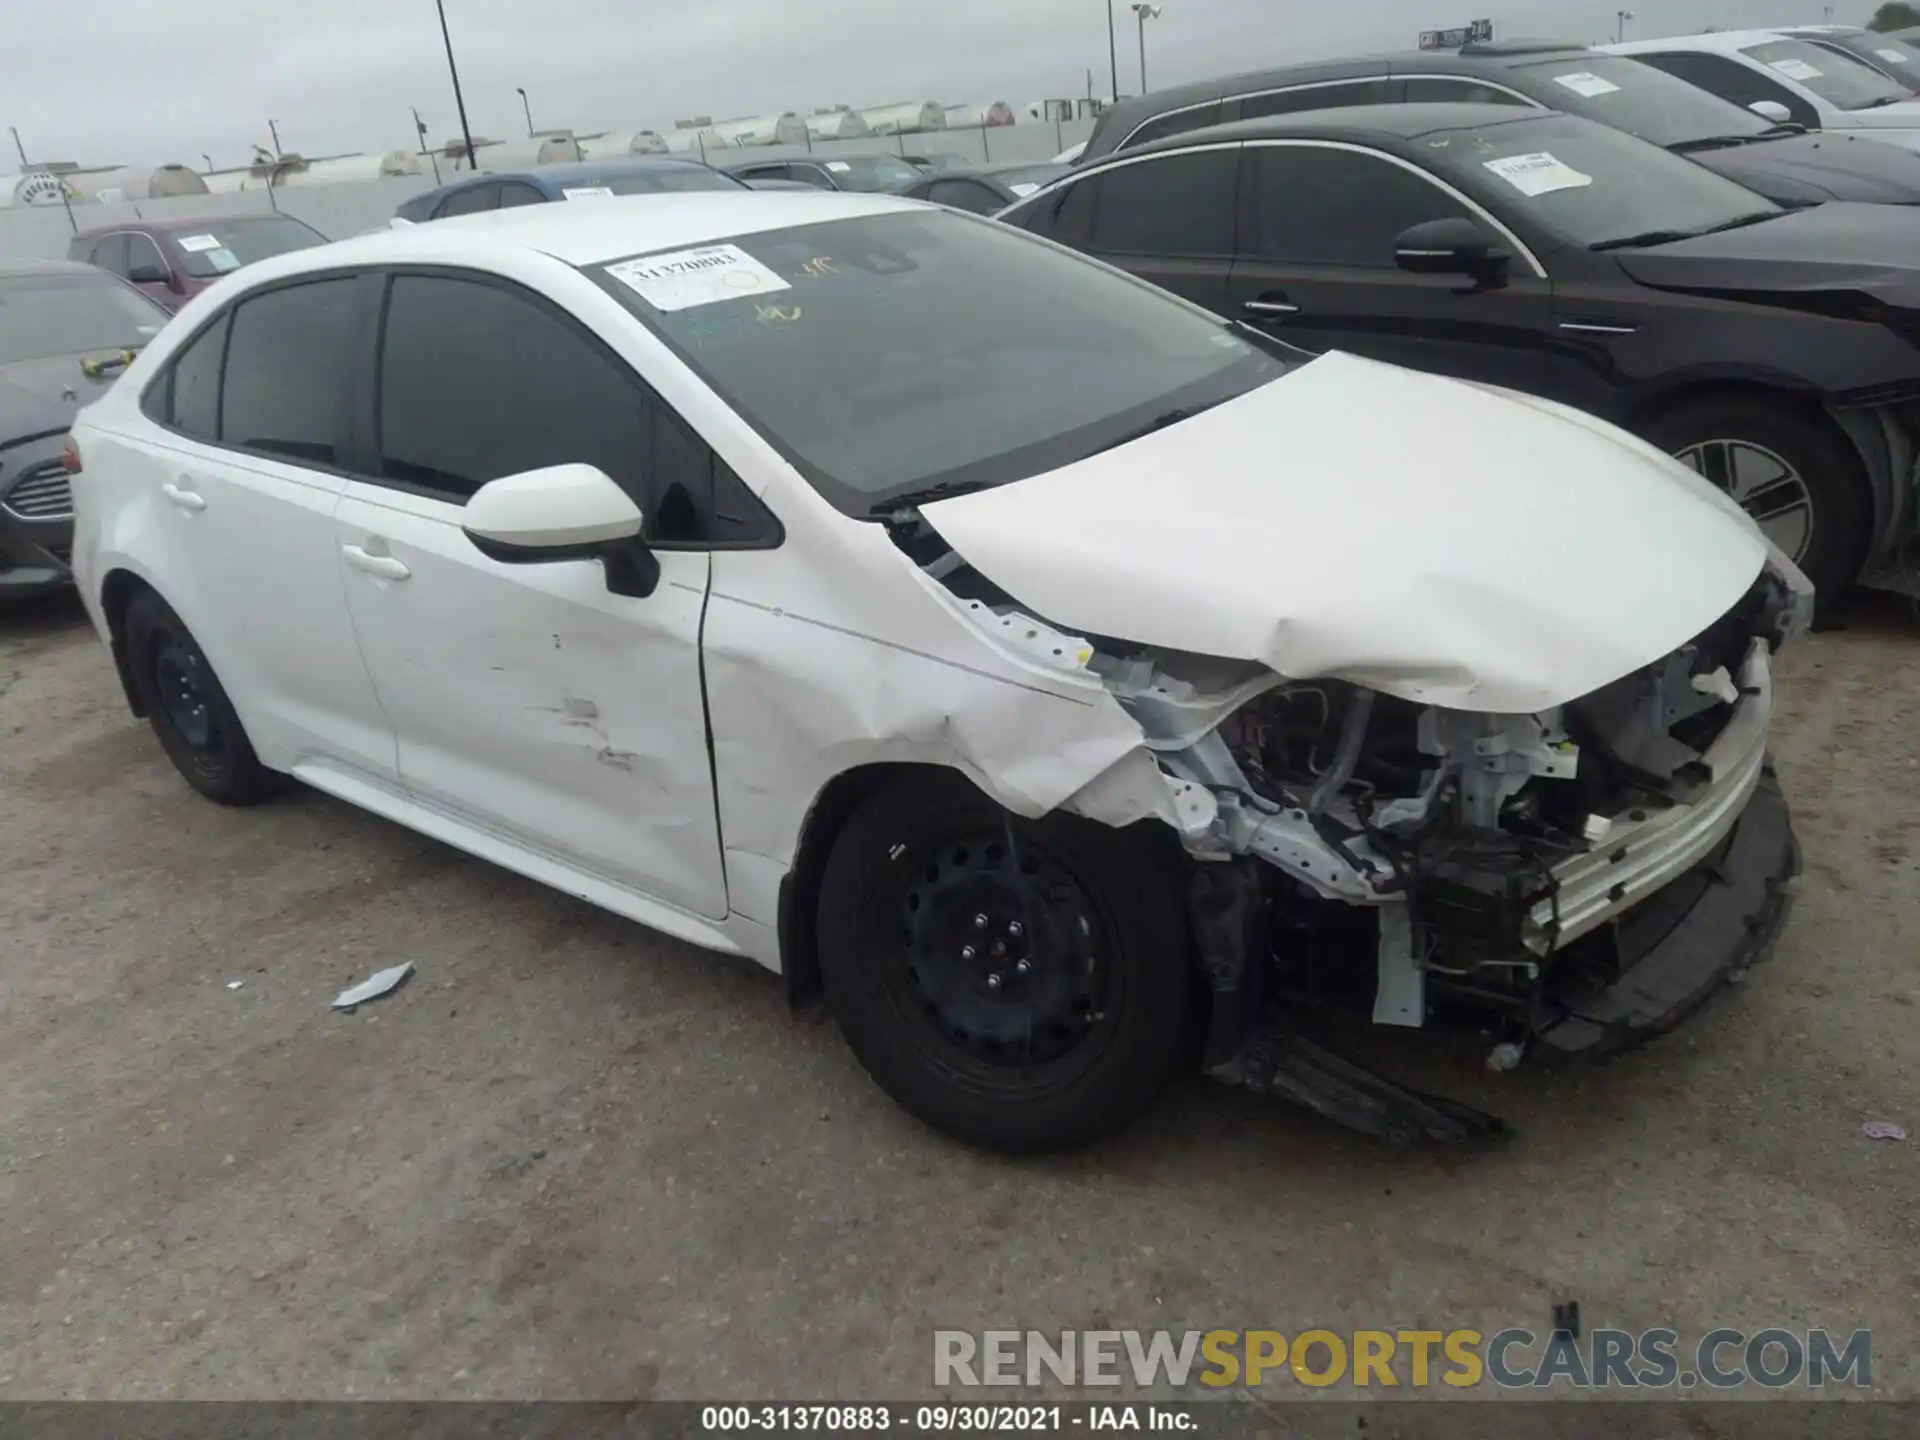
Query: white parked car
[[1788, 79], [1054, 673]]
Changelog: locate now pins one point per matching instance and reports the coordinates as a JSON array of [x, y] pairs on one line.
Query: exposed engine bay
[[1515, 866]]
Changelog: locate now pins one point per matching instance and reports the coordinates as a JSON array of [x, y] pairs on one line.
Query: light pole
[[1620, 18], [274, 131], [453, 70], [18, 146], [420, 129], [528, 109], [1144, 13], [1113, 52], [209, 159]]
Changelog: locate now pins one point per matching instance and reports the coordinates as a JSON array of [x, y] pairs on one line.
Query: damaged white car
[[1064, 680]]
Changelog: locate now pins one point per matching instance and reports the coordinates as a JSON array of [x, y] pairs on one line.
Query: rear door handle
[[385, 566], [182, 497], [1272, 303]]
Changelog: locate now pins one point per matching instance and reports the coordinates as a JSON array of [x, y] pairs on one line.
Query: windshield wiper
[[1876, 104], [1667, 237], [904, 505], [1712, 142], [1158, 422]]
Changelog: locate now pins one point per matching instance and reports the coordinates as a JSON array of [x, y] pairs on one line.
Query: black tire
[[187, 708], [1069, 1048], [1840, 506]]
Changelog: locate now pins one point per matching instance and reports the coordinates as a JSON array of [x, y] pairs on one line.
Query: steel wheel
[[1765, 486], [180, 682]]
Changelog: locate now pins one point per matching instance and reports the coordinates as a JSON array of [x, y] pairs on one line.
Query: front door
[[1167, 218], [528, 700], [1315, 268]]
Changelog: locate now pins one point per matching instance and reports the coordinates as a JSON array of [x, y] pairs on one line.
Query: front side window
[[1313, 205], [1166, 205], [72, 313], [513, 195], [870, 173], [1737, 84], [110, 255], [1588, 184], [968, 195], [1840, 80], [1318, 97], [288, 371], [478, 381], [222, 245], [471, 201], [887, 354], [1457, 90], [143, 258]]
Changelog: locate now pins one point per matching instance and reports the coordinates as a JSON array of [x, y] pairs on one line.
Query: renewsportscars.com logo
[[1510, 1359]]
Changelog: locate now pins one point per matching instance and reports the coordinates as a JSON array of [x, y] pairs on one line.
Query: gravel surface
[[575, 1159]]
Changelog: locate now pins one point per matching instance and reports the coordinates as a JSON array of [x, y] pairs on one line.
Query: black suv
[[1781, 162]]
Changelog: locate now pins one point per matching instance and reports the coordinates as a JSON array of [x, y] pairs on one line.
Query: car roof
[[174, 224], [1719, 42], [1356, 122], [586, 234], [78, 269]]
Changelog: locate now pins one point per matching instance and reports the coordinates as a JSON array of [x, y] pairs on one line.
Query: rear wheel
[[189, 712], [1791, 471], [1022, 985]]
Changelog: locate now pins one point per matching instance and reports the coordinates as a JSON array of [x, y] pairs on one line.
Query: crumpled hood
[[1421, 536], [1871, 248], [1826, 165], [38, 397]]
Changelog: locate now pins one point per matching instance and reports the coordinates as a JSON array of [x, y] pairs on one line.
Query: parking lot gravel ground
[[573, 1158]]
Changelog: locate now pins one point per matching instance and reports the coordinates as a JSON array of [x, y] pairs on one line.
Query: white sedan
[[1053, 673]]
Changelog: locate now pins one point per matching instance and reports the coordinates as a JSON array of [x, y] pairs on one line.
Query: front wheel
[[1791, 471], [1022, 985]]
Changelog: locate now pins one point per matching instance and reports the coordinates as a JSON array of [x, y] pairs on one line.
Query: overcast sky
[[144, 81]]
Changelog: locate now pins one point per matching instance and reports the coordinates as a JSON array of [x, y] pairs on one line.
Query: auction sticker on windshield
[[1894, 56], [708, 275], [1585, 82], [1538, 173], [587, 192], [839, 167], [1797, 69], [194, 244]]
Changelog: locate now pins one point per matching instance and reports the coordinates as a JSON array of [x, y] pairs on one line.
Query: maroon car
[[174, 260]]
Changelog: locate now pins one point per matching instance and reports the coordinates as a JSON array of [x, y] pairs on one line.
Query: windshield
[[895, 353], [871, 172], [218, 246], [45, 315], [1585, 183], [1838, 79], [1895, 58], [1639, 99], [667, 179]]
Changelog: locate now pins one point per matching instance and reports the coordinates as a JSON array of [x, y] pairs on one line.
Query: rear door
[[530, 701], [243, 476], [1168, 218], [1318, 222]]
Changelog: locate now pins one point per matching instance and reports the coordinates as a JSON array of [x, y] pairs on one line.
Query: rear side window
[[469, 202], [1457, 90], [1316, 206], [288, 371], [1176, 122], [477, 382], [110, 254], [1318, 97], [188, 399], [1168, 205]]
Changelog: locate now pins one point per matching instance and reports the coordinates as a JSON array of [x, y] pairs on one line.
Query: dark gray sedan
[[66, 333]]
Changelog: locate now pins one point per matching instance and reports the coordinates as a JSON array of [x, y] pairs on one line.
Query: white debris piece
[[235, 984], [1882, 1130], [373, 987]]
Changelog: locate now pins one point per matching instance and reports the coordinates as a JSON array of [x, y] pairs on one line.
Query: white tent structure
[[839, 122], [909, 117], [555, 148], [976, 117], [338, 169], [36, 187], [620, 144], [132, 182]]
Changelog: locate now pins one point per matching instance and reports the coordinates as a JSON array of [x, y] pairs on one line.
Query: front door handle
[[182, 497], [385, 566], [1271, 303]]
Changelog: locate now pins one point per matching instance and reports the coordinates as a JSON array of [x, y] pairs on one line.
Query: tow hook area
[[1252, 1043]]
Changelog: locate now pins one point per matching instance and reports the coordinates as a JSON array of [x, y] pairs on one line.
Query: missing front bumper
[[1677, 950]]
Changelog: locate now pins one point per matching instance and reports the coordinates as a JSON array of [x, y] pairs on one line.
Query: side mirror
[[563, 512], [1454, 246], [149, 275], [1772, 110]]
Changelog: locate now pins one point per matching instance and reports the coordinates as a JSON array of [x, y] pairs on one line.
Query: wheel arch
[[1862, 430], [117, 593], [799, 888]]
